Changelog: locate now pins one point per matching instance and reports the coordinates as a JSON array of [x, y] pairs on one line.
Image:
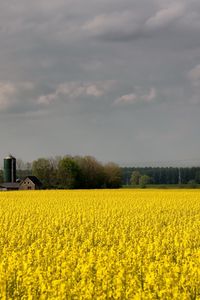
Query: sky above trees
[[118, 80]]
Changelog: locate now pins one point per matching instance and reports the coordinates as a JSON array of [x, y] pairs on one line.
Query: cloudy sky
[[118, 80]]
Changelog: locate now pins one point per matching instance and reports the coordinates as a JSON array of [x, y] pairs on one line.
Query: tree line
[[72, 172], [88, 173], [161, 175]]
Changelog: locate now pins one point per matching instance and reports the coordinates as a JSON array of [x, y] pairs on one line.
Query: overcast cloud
[[119, 80]]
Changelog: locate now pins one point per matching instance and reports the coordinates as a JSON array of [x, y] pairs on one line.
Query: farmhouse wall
[[27, 184]]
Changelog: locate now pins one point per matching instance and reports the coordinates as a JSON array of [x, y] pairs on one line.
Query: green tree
[[135, 178], [192, 183], [144, 180], [54, 162], [91, 172], [69, 173], [113, 175], [23, 169], [42, 169], [1, 176]]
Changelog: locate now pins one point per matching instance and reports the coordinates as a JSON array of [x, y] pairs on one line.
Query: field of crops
[[120, 244]]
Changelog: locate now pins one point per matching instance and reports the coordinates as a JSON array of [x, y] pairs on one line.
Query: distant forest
[[163, 175]]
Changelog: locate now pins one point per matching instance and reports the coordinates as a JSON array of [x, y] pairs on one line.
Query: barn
[[30, 183]]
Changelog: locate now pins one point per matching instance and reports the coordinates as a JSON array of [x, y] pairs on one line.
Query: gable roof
[[34, 179]]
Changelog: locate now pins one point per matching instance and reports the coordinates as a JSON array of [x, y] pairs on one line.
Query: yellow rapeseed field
[[100, 244]]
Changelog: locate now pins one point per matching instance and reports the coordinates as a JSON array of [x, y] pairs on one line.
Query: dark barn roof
[[34, 179]]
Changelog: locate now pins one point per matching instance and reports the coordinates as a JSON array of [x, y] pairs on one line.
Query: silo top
[[9, 157]]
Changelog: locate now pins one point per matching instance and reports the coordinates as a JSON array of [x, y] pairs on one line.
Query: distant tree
[[144, 180], [113, 175], [42, 169], [54, 162], [1, 176], [22, 168], [20, 164], [192, 183], [135, 178], [28, 166], [91, 172], [69, 173]]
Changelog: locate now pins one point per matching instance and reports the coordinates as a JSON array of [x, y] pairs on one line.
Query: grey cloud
[[194, 78], [27, 97], [62, 20], [131, 24], [194, 75], [165, 16], [7, 91], [76, 90], [19, 98], [138, 97], [12, 94], [114, 26]]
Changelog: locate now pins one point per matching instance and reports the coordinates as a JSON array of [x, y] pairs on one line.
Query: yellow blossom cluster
[[100, 244]]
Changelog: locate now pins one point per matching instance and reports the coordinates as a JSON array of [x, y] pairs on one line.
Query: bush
[[192, 184], [144, 180]]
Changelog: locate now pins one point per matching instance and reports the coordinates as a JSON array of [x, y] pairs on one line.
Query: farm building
[[11, 184], [30, 183]]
